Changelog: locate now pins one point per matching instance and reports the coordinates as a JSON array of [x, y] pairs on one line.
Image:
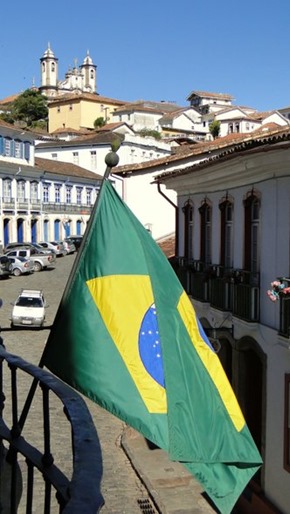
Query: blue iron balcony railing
[[30, 471]]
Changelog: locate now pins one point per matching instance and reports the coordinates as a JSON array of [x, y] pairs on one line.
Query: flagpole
[[111, 160]]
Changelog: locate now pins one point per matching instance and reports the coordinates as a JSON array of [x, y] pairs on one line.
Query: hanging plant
[[278, 289]]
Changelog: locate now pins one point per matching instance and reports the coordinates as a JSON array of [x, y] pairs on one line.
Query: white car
[[29, 309], [20, 266], [55, 246]]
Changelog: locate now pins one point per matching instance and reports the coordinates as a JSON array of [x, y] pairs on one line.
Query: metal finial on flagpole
[[112, 159]]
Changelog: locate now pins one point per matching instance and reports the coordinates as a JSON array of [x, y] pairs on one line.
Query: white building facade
[[40, 199], [89, 152], [233, 235]]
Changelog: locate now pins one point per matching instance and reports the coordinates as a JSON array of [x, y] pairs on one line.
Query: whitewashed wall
[[148, 205], [133, 150], [269, 173]]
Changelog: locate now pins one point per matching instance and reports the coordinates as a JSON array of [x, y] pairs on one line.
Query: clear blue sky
[[155, 49]]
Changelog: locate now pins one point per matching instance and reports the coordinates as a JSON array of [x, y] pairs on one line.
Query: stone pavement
[[172, 488], [134, 477]]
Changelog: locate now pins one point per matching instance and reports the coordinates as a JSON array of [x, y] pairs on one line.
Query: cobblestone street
[[120, 486]]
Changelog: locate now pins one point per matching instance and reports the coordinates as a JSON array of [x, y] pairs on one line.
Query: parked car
[[57, 247], [69, 246], [17, 244], [29, 309], [40, 260], [20, 266], [36, 246], [76, 240], [5, 267], [9, 246], [39, 248]]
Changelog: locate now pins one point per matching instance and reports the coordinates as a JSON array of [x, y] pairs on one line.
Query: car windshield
[[24, 301]]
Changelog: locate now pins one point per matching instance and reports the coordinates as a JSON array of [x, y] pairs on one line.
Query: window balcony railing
[[36, 205], [70, 208], [22, 204], [221, 288], [49, 454], [227, 289], [8, 204]]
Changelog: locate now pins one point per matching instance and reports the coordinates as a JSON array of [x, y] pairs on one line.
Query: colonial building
[[89, 151], [233, 243], [80, 111], [206, 102], [40, 199]]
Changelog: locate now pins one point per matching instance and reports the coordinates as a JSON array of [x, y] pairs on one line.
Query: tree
[[30, 107], [214, 128], [99, 122]]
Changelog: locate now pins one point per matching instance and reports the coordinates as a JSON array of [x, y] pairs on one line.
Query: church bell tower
[[49, 73], [89, 73]]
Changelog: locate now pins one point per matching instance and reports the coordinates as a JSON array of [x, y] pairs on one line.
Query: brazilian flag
[[126, 336]]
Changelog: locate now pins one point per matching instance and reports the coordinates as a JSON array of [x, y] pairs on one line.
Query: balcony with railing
[[50, 457], [37, 206], [68, 208], [227, 289], [246, 296]]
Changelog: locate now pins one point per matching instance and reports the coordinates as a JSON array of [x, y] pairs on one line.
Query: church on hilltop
[[79, 79]]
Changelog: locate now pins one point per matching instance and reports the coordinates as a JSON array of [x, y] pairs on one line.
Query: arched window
[[188, 229], [57, 230], [226, 241], [79, 227], [45, 230], [205, 232], [251, 243]]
